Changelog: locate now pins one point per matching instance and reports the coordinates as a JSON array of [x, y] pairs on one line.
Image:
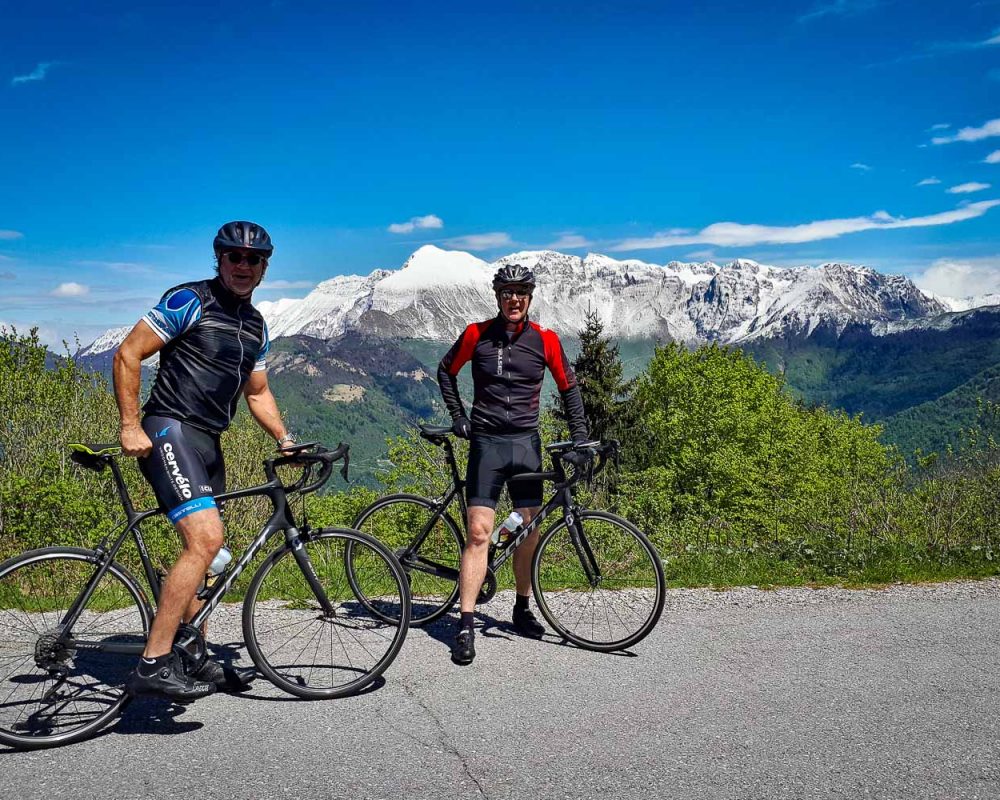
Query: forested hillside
[[735, 479]]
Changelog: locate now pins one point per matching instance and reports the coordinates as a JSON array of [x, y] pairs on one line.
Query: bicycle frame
[[281, 519], [501, 553]]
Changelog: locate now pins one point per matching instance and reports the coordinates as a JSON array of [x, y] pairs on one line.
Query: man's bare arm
[[139, 345], [263, 405]]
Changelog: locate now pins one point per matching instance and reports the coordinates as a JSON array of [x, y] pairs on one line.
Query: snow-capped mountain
[[437, 293]]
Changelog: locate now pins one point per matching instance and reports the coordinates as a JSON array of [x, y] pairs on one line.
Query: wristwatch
[[286, 438]]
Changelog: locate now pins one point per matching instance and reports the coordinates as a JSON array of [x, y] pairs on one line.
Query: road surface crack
[[443, 739]]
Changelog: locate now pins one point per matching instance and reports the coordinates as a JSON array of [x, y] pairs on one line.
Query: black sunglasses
[[252, 259], [507, 294]]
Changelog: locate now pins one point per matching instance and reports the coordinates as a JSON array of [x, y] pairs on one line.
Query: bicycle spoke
[[351, 635]]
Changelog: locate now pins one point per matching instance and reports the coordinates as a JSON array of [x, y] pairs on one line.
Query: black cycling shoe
[[170, 681], [526, 624], [226, 679], [464, 648]]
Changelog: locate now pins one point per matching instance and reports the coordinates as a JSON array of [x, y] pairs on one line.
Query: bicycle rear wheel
[[611, 608], [315, 654], [432, 570], [56, 683]]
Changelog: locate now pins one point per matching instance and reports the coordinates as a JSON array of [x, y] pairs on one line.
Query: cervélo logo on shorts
[[182, 484]]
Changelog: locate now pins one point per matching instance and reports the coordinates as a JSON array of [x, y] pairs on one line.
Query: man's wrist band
[[286, 438]]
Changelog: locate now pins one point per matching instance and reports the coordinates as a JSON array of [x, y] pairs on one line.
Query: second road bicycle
[[597, 579]]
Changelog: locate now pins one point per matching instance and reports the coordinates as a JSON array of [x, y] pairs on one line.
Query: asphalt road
[[741, 694]]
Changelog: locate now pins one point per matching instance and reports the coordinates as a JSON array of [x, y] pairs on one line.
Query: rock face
[[437, 292]]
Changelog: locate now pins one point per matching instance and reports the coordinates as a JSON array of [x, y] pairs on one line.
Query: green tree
[[606, 394]]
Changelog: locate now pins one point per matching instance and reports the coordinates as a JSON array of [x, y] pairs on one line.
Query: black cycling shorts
[[494, 459], [185, 467]]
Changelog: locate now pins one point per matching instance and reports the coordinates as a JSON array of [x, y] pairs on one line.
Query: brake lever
[[344, 468]]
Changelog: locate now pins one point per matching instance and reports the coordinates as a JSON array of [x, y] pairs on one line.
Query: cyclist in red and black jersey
[[509, 355]]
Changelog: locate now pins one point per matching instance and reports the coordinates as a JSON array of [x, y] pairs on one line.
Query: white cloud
[[430, 221], [127, 267], [968, 188], [569, 241], [984, 131], [992, 158], [735, 234], [701, 255], [860, 166], [70, 289], [839, 8], [966, 277], [941, 126], [37, 74], [287, 285], [929, 182], [11, 235], [480, 241]]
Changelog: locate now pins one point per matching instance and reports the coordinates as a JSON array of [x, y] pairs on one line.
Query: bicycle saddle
[[92, 456]]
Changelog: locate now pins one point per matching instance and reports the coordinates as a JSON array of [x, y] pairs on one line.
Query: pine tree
[[599, 371]]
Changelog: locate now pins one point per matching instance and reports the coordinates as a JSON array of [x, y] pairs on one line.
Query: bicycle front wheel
[[603, 590], [432, 568], [317, 652], [58, 683]]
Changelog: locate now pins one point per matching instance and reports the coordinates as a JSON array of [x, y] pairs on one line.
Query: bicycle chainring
[[194, 654], [489, 587]]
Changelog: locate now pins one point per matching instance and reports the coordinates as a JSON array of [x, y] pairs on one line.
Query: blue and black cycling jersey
[[213, 342]]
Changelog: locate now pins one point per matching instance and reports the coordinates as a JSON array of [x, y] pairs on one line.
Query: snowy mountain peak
[[437, 292]]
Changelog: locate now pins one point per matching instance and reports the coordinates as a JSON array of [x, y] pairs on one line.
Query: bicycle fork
[[296, 540], [583, 550]]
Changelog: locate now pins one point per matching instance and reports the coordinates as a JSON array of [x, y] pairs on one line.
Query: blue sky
[[865, 131]]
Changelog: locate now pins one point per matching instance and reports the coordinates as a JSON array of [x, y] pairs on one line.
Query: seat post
[[123, 494], [452, 464]]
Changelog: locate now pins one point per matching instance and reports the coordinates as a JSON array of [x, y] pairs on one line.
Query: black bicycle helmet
[[513, 275], [243, 234]]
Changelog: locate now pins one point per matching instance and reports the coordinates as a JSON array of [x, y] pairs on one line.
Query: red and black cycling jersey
[[507, 372]]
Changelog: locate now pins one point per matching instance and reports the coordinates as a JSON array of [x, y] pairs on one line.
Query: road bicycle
[[597, 579], [73, 621]]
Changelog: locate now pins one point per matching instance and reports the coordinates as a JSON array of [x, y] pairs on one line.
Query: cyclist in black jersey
[[213, 348], [509, 356]]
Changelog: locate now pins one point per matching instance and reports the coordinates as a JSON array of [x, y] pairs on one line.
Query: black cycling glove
[[461, 427], [579, 459]]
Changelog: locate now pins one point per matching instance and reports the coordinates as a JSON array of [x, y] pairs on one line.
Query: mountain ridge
[[437, 292]]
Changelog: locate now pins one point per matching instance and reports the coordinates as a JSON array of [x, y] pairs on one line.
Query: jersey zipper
[[239, 364]]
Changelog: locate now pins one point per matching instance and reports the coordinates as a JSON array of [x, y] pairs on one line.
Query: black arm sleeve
[[573, 403], [448, 384]]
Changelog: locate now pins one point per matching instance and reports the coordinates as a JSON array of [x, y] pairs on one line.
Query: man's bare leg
[[524, 553], [475, 556], [202, 533]]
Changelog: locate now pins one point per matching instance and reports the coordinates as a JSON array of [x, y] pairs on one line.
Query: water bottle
[[509, 525], [220, 562], [215, 569]]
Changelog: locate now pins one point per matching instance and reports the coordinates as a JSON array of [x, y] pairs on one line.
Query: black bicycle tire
[[425, 503], [544, 606], [353, 687], [133, 587]]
